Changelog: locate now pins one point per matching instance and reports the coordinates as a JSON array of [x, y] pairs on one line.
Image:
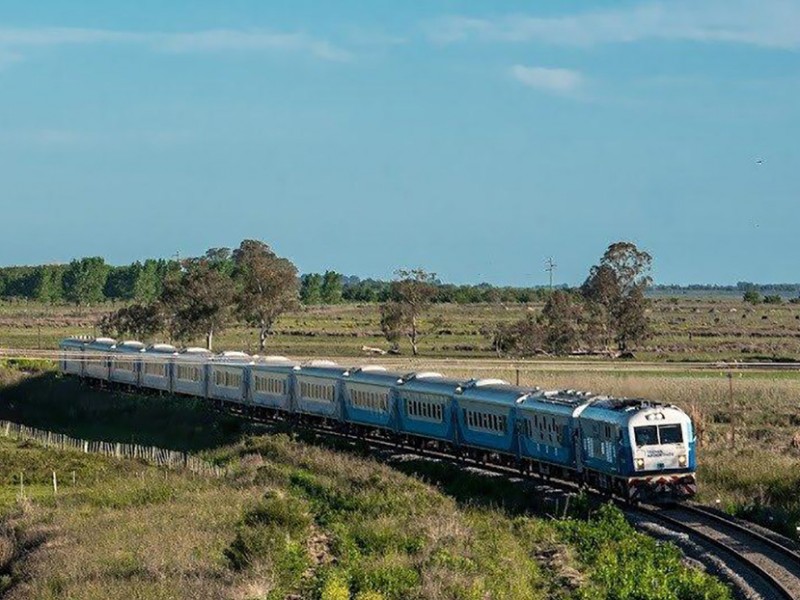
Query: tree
[[146, 285], [221, 259], [198, 301], [410, 297], [331, 290], [311, 289], [268, 286], [614, 291], [47, 283], [751, 296], [561, 317], [85, 279], [140, 320]]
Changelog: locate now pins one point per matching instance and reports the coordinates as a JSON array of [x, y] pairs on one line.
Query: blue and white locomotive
[[632, 448]]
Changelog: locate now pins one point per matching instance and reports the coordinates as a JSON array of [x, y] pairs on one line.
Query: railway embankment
[[292, 516]]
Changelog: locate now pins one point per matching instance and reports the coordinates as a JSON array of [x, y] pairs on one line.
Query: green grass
[[295, 516]]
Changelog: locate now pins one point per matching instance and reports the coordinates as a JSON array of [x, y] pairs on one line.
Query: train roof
[[495, 391], [626, 411], [429, 381], [102, 343], [272, 363], [321, 368], [162, 349], [129, 346], [75, 342], [374, 374]]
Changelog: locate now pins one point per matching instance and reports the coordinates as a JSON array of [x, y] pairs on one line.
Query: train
[[631, 448]]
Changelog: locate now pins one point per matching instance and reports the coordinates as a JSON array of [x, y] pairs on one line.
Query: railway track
[[773, 562]]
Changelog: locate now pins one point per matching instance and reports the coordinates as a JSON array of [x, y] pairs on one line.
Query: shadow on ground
[[66, 405]]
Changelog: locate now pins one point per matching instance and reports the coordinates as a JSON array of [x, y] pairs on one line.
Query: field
[[750, 457], [297, 517], [683, 329]]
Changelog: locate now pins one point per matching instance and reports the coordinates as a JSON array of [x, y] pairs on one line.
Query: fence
[[169, 459]]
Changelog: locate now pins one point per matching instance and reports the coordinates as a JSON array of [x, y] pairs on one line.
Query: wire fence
[[161, 457]]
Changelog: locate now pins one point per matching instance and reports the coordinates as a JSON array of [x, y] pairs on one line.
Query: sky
[[474, 139]]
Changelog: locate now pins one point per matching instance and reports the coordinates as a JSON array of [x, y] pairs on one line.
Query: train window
[[670, 434], [646, 436]]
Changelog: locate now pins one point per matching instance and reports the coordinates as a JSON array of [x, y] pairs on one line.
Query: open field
[[684, 329], [296, 518]]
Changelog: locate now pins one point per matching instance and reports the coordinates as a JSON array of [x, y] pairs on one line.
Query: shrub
[[626, 565]]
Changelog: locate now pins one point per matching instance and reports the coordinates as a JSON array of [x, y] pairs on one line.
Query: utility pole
[[731, 410], [549, 267]]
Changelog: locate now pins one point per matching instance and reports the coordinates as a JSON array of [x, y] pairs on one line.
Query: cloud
[[558, 81], [213, 40], [765, 23]]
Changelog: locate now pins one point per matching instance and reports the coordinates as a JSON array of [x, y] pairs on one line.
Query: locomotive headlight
[[682, 460], [639, 464]]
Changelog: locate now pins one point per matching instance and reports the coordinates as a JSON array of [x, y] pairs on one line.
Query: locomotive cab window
[[646, 436], [670, 434]]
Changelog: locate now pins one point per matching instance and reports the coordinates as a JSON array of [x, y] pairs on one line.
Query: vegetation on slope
[[296, 518]]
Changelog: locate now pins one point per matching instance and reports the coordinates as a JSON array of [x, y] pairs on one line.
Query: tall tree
[[140, 320], [198, 301], [311, 289], [47, 283], [410, 297], [332, 286], [562, 320], [267, 286], [617, 284], [85, 279]]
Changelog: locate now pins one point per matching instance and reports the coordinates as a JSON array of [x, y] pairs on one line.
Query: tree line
[[200, 296], [91, 280], [606, 313]]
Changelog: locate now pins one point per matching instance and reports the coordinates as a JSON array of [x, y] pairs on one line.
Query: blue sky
[[471, 138]]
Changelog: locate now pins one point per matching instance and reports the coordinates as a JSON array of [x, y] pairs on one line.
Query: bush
[[752, 296], [626, 565]]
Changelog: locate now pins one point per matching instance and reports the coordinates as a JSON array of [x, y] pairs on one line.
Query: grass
[[297, 517], [686, 329]]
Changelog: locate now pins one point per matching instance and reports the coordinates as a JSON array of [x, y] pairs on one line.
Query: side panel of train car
[[317, 389], [546, 429], [156, 370], [126, 363], [369, 398], [486, 415], [98, 358], [271, 384], [425, 407], [227, 381], [190, 372], [71, 357]]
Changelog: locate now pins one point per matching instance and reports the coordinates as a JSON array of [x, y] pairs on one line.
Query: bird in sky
[[760, 161]]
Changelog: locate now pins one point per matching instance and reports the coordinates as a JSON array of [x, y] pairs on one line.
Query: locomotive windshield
[[646, 436], [651, 435]]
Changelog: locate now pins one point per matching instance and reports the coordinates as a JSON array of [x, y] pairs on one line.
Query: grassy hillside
[[296, 518]]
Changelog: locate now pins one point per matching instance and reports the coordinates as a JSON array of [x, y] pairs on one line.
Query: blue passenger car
[[425, 406], [369, 398], [98, 358], [486, 410], [126, 362], [546, 428], [317, 389], [227, 379], [190, 372], [270, 383], [72, 355], [156, 370]]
